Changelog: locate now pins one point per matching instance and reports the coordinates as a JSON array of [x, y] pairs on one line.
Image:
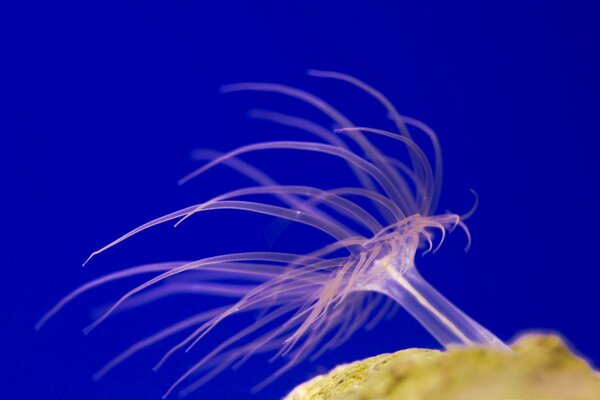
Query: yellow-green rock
[[540, 367]]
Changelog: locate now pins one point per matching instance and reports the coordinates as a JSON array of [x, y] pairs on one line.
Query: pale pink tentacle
[[250, 256], [160, 335], [142, 269], [258, 176], [322, 133], [371, 151], [350, 209], [416, 150], [348, 156]]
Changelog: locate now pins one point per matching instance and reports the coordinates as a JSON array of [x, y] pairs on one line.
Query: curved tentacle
[[370, 150], [348, 156], [427, 198], [348, 208], [401, 122]]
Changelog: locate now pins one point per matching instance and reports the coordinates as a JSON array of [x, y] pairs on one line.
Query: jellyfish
[[309, 303]]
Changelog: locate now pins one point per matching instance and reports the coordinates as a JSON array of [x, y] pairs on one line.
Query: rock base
[[540, 367]]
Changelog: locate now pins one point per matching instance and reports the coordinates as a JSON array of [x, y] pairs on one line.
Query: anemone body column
[[446, 322]]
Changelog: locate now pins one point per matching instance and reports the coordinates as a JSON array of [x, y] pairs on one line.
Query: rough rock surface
[[540, 367]]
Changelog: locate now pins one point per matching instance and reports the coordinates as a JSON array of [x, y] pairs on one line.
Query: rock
[[540, 367]]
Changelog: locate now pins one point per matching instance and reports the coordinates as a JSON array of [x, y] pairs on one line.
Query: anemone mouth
[[308, 303]]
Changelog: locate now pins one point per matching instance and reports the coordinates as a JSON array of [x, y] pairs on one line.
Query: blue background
[[106, 101]]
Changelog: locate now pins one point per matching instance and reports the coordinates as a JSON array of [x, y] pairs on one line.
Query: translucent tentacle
[[425, 201], [376, 198], [265, 294], [270, 210], [160, 335], [400, 121], [216, 289], [348, 156], [348, 208], [259, 177], [371, 151], [437, 151], [143, 227], [251, 256], [240, 335], [142, 269], [317, 130]]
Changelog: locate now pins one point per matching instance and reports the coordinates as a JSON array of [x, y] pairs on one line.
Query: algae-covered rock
[[540, 367]]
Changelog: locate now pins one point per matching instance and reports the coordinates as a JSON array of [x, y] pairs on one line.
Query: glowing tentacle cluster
[[303, 298]]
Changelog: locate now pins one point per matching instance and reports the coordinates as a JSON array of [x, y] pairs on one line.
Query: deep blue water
[[105, 102]]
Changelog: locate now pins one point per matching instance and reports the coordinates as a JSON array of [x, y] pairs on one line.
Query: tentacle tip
[[86, 331], [474, 207], [231, 87], [88, 260], [168, 392], [256, 389], [176, 224]]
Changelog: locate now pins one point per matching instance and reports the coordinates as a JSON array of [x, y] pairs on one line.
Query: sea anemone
[[309, 303]]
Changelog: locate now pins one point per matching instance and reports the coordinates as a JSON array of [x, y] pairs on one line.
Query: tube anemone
[[309, 303]]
